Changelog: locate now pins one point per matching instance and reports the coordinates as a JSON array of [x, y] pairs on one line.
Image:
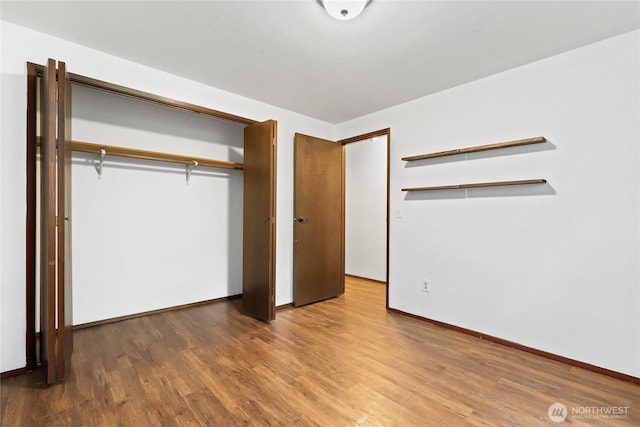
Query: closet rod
[[111, 150], [135, 153]]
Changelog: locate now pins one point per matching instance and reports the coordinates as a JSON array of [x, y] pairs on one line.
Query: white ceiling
[[293, 55]]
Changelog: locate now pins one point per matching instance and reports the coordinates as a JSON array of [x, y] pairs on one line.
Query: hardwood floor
[[342, 362]]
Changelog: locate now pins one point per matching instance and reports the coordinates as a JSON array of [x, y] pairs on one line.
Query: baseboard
[[149, 313], [546, 354], [13, 373]]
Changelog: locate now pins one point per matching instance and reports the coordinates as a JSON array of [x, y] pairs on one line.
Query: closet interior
[[158, 191]]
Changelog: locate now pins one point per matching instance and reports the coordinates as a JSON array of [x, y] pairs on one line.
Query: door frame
[[381, 132], [35, 71]]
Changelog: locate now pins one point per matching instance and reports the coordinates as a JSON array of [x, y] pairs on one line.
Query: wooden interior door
[[64, 297], [259, 220], [318, 271], [48, 105], [56, 338]]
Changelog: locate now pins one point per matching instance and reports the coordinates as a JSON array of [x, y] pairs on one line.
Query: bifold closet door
[[56, 338], [259, 220], [64, 302]]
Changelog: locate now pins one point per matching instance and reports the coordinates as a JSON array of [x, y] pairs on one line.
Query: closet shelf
[[516, 143], [477, 185], [111, 150]]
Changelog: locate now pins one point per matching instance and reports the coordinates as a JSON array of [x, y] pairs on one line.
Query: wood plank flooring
[[342, 362]]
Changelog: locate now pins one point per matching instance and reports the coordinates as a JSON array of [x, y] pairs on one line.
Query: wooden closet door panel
[[56, 311], [64, 297], [48, 106], [259, 221]]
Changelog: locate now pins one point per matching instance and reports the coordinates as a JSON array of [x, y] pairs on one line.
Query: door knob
[[300, 219]]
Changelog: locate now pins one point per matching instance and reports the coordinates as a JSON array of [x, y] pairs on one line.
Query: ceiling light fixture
[[344, 10]]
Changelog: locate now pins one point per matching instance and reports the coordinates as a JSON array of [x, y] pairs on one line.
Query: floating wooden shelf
[[111, 150], [516, 143], [477, 185]]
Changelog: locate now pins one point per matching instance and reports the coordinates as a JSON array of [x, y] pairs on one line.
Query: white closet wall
[[143, 238]]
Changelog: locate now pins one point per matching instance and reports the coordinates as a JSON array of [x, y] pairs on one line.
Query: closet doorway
[[257, 147]]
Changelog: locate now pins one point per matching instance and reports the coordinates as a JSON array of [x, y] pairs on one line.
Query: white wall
[[366, 208], [20, 45], [554, 267], [143, 238]]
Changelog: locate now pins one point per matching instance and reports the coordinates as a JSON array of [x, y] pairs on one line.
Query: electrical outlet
[[426, 285]]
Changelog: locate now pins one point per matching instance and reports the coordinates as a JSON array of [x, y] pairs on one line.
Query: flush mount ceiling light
[[344, 10]]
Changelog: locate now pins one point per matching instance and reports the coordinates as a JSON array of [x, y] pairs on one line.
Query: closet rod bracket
[[103, 152], [190, 169]]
